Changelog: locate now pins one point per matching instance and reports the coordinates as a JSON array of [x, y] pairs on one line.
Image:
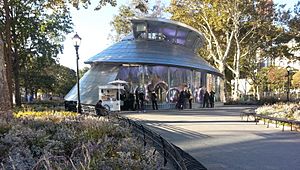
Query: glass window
[[180, 77], [141, 27]]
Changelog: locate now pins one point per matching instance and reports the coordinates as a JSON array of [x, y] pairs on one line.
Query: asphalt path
[[219, 139]]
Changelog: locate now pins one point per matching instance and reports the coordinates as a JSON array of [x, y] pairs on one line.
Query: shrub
[[281, 110], [65, 140]]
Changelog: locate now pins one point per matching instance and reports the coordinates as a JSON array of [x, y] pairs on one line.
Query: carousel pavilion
[[160, 55]]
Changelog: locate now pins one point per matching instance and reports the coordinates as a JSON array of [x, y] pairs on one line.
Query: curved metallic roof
[[153, 53]]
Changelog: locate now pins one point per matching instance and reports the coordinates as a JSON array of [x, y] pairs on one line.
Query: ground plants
[[281, 110], [65, 140]]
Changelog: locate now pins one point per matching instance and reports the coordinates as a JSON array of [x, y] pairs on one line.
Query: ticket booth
[[110, 96]]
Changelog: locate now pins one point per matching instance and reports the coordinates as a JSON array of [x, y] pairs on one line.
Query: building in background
[[160, 56]]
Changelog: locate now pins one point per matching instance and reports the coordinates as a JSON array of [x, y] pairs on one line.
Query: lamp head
[[289, 68], [76, 40]]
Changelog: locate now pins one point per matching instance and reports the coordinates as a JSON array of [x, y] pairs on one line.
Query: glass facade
[[166, 81]]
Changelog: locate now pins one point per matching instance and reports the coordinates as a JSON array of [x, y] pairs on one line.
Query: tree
[[277, 78], [293, 25], [296, 80], [65, 78], [217, 23], [5, 105], [83, 71], [262, 81], [37, 30], [121, 23], [235, 31]]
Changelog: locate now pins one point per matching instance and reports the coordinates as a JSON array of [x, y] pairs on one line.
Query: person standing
[[137, 102], [180, 102], [201, 95], [154, 100], [190, 97], [142, 99], [212, 99], [206, 99], [131, 101], [185, 97]]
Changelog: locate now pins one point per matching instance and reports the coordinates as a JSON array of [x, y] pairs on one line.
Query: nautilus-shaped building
[[160, 55]]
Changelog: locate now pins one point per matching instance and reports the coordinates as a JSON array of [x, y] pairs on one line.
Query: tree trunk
[[7, 51], [5, 104], [237, 70], [221, 68], [16, 67]]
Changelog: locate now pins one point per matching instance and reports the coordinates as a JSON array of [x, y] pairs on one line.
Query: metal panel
[[154, 53]]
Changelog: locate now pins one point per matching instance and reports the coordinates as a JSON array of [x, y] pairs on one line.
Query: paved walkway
[[218, 138]]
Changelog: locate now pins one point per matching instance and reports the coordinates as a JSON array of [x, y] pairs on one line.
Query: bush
[[281, 110], [64, 140]]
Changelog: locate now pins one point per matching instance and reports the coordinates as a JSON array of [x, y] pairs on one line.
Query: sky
[[94, 27]]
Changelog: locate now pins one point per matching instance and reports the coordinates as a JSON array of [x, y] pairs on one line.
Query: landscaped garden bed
[[65, 140], [289, 111]]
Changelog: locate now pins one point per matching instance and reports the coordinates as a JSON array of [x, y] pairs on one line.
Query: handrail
[[180, 159], [252, 112], [282, 120]]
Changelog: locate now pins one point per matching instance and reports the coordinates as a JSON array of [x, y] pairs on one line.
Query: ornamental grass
[[65, 140], [281, 110]]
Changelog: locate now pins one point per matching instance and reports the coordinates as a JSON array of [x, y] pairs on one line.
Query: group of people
[[137, 101], [209, 99], [140, 101], [184, 96]]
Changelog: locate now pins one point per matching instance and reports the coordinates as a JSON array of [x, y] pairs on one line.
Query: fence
[[269, 119], [179, 159]]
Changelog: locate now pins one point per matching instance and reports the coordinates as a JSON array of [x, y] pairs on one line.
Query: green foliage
[[262, 77], [296, 80], [36, 32], [277, 77], [65, 78], [53, 78], [272, 79], [83, 71], [259, 28], [121, 23]]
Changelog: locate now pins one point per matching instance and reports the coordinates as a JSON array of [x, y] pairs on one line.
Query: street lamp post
[[288, 68], [76, 42]]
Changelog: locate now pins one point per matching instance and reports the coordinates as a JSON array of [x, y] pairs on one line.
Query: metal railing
[[269, 119], [283, 121], [179, 159]]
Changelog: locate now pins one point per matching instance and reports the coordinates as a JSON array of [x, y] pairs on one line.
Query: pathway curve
[[218, 138]]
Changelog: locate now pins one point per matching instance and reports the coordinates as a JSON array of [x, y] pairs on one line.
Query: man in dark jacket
[[190, 98], [154, 100], [142, 100], [100, 110], [212, 99], [206, 99]]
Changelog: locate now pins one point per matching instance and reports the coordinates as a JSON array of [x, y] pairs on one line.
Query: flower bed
[[281, 110], [64, 140]]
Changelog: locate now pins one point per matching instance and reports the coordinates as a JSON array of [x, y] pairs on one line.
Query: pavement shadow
[[274, 151]]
